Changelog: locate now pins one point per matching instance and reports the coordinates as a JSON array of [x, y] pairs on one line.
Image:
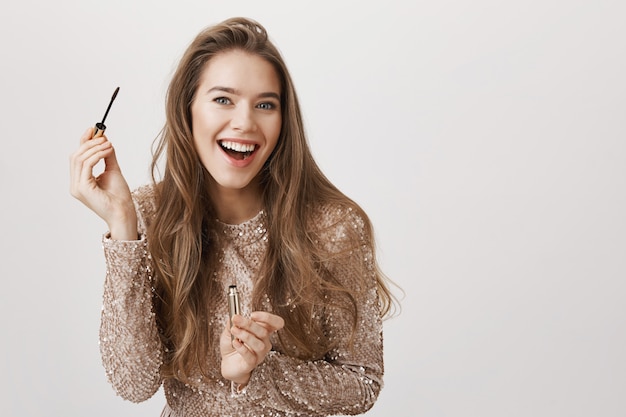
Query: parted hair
[[293, 278]]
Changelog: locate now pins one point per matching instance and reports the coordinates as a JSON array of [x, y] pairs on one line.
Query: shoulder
[[340, 225], [144, 197], [145, 203], [330, 215]]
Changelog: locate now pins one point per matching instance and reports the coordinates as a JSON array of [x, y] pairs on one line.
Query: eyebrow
[[268, 94]]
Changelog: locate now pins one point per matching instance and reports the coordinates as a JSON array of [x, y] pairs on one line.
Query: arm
[[347, 380], [130, 346], [129, 341]]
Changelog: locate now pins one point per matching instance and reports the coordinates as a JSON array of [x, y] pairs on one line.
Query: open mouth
[[236, 150]]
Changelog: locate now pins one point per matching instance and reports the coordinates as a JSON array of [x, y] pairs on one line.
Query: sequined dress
[[346, 381]]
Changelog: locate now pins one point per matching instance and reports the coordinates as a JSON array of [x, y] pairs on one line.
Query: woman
[[240, 202]]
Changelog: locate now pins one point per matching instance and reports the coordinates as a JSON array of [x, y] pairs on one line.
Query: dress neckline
[[246, 232]]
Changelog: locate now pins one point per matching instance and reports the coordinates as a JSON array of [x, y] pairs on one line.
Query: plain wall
[[485, 139]]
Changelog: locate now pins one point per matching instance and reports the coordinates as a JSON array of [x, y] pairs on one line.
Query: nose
[[243, 119]]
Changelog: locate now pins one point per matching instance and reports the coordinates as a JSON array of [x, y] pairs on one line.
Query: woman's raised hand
[[108, 195], [249, 344]]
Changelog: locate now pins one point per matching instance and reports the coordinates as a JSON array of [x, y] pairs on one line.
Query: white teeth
[[236, 146]]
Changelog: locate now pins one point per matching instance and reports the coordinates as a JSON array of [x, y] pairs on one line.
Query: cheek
[[203, 130], [196, 130], [275, 131], [201, 146]]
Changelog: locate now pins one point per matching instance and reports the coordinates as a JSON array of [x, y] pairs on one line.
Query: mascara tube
[[233, 301], [99, 129], [233, 304]]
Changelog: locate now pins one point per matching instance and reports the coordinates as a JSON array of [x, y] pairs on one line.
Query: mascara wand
[[100, 127]]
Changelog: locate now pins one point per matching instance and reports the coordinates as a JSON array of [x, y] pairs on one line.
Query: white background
[[486, 140]]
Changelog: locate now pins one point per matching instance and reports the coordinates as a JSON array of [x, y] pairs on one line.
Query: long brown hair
[[293, 277]]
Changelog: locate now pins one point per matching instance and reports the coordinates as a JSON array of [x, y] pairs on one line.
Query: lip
[[239, 163]]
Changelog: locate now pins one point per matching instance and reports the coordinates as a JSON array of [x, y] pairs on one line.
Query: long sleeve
[[130, 346], [349, 378]]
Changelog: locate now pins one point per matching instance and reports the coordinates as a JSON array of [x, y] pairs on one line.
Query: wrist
[[241, 383], [124, 233], [124, 227], [236, 388]]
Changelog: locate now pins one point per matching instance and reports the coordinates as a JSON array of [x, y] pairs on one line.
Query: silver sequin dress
[[347, 381]]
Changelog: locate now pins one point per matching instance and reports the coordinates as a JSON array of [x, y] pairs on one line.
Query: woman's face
[[236, 118]]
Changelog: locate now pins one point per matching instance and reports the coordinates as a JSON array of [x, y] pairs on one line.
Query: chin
[[233, 183]]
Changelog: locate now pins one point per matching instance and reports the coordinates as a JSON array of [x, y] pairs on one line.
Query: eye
[[221, 100], [266, 106]]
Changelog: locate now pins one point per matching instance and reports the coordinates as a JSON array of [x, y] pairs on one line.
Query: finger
[[255, 344], [86, 184], [110, 161], [270, 321], [250, 357], [226, 339], [86, 145], [259, 330], [87, 134], [90, 158], [85, 158], [85, 149], [91, 147]]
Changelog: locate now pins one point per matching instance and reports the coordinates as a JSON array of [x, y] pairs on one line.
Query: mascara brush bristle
[[110, 104]]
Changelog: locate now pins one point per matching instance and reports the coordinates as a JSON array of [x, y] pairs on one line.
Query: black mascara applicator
[[100, 127]]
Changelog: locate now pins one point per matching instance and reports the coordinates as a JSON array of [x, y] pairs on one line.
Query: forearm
[[129, 340], [313, 387], [346, 381]]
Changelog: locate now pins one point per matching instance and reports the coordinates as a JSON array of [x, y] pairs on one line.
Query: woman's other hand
[[249, 344]]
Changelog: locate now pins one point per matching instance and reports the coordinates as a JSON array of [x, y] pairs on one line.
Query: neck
[[236, 206]]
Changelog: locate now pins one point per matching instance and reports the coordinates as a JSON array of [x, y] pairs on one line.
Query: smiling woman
[[236, 121], [241, 203]]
